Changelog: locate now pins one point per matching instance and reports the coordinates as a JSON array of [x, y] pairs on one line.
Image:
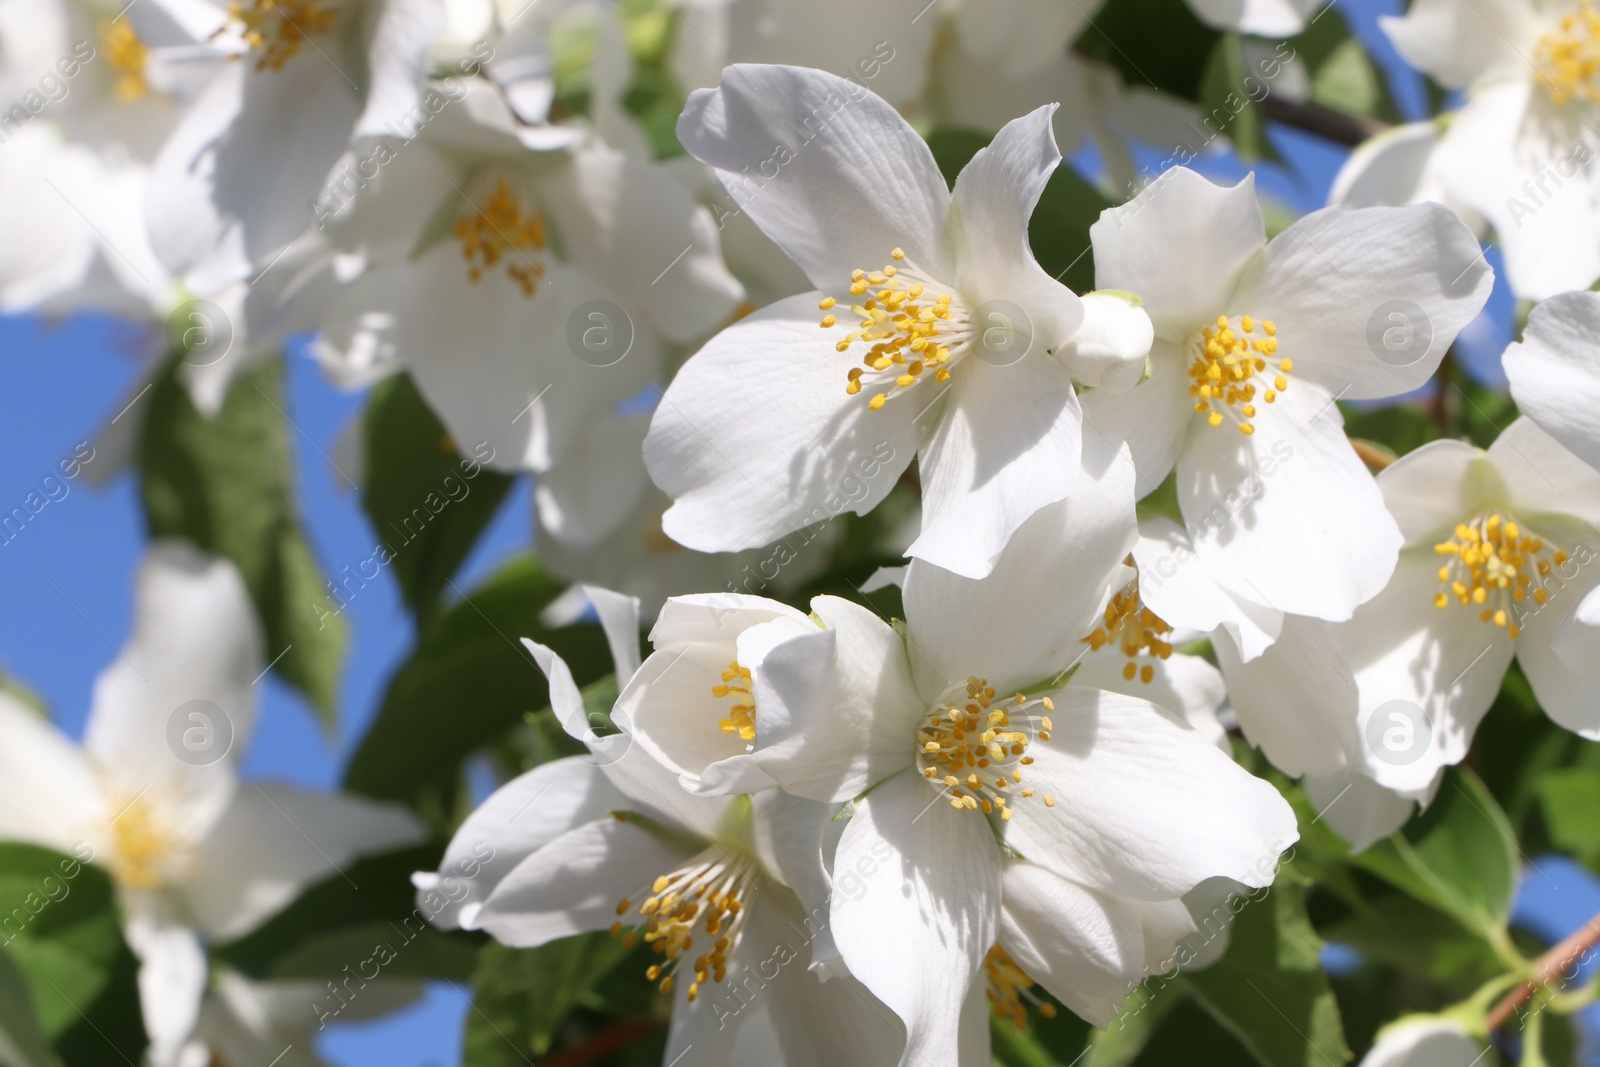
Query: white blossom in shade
[[195, 854], [1254, 343], [1521, 150], [887, 48], [529, 293], [1060, 824], [1425, 1041], [1399, 166], [726, 887], [933, 331]]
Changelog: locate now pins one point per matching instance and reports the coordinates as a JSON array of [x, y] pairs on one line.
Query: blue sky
[[67, 579]]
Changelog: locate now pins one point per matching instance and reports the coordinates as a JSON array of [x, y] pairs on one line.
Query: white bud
[[1423, 1041], [1112, 345]]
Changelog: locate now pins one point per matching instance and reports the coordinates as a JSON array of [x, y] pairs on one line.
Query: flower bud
[[1111, 347]]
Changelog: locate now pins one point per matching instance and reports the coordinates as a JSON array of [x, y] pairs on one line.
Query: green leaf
[[468, 681], [1126, 1036], [1401, 428], [1171, 58], [1269, 990], [525, 995], [1226, 96], [226, 484], [1460, 856], [59, 925], [344, 920], [1413, 937], [427, 504], [1569, 800], [22, 1041]]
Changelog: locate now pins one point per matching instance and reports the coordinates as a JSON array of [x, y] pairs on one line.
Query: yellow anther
[[1491, 563], [502, 228], [1011, 991], [741, 720], [125, 55], [970, 732], [1223, 369], [1568, 57], [275, 29], [827, 304]]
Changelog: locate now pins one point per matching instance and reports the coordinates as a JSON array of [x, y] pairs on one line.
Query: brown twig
[[1325, 122], [1547, 969], [617, 1036]]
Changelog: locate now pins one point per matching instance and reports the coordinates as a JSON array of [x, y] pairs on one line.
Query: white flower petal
[[1553, 374], [1153, 244], [917, 932], [1086, 948], [1020, 36], [1175, 585], [1289, 516], [837, 709], [195, 639], [1443, 664], [1152, 417], [1012, 628], [573, 884], [756, 437], [1263, 18], [1195, 814], [50, 794], [1186, 686], [274, 840], [1367, 300], [1296, 701], [995, 195], [517, 819], [628, 222], [1112, 348], [1547, 483], [398, 60], [1424, 1041], [1431, 489], [1358, 809], [172, 981], [1534, 186], [1550, 636], [1459, 43], [826, 168], [1008, 443]]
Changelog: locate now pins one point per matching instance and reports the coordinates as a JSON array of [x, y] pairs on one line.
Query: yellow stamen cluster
[[741, 718], [1488, 567], [1011, 990], [125, 55], [1568, 57], [909, 332], [275, 29], [969, 747], [1135, 629], [502, 228], [1227, 359], [708, 893], [145, 850]]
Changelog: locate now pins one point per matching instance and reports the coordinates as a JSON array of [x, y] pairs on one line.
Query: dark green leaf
[[59, 924], [1460, 856], [342, 922], [427, 504], [468, 681], [524, 995], [1400, 428], [22, 1041], [1171, 58], [1408, 934], [1570, 802], [225, 484], [1269, 990]]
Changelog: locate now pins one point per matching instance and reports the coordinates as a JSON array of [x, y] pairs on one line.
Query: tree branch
[[600, 1045], [1325, 122], [1548, 969]]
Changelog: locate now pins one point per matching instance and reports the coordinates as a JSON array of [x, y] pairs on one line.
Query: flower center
[[735, 686], [1490, 565], [125, 55], [1011, 990], [908, 330], [711, 893], [147, 851], [1135, 629], [1568, 57], [503, 228], [274, 29], [969, 747], [1228, 361]]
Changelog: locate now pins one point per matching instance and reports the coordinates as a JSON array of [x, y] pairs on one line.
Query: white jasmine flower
[[1255, 341], [194, 854], [922, 296]]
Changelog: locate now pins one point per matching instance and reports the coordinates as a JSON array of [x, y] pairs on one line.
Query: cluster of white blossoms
[[1138, 532]]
